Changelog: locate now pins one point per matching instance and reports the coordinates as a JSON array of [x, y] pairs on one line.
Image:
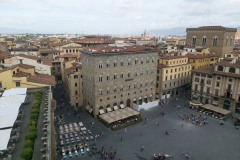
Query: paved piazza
[[206, 142]]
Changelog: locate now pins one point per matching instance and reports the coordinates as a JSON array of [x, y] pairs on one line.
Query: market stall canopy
[[109, 109], [195, 103], [7, 120], [122, 106], [12, 99], [101, 111], [5, 136], [14, 91], [216, 109], [115, 108]]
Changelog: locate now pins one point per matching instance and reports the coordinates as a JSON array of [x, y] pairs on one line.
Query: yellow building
[[232, 54], [24, 76], [173, 76], [73, 85], [201, 61], [72, 48]]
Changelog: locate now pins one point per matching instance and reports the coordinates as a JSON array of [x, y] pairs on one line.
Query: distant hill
[[171, 31], [14, 30]]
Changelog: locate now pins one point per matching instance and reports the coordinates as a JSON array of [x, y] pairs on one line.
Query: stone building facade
[[118, 77], [218, 85], [219, 39], [173, 76]]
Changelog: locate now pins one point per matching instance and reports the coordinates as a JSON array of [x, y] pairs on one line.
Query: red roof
[[29, 57], [68, 56], [197, 56], [21, 74], [26, 66], [42, 78], [46, 62], [9, 68]]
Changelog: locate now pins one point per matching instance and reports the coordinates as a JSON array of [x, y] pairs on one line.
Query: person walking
[[175, 129], [182, 124], [125, 129], [141, 134], [142, 148]]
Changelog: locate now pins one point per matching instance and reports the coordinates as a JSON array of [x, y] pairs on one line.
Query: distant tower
[[145, 34], [27, 36]]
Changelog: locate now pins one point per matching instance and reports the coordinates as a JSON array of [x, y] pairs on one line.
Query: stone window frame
[[135, 85], [141, 72], [129, 74], [108, 90], [129, 62], [226, 41], [114, 89], [108, 64], [215, 41], [152, 70], [121, 75], [153, 59], [147, 60], [141, 60], [100, 91], [100, 78], [100, 64], [136, 61], [196, 79], [146, 71], [115, 76], [204, 40], [146, 83], [121, 88], [129, 86], [151, 82], [122, 62], [194, 39], [108, 77], [115, 63], [140, 84], [135, 74]]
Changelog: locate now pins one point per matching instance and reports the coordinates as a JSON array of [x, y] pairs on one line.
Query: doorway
[[128, 103], [226, 105]]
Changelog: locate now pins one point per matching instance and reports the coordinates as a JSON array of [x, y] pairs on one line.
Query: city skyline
[[114, 17]]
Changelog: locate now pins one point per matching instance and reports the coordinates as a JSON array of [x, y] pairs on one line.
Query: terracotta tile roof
[[1, 65], [70, 70], [53, 103], [49, 51], [2, 52], [26, 66], [226, 62], [79, 66], [208, 70], [9, 68], [21, 74], [227, 74], [197, 56], [46, 62], [79, 57], [29, 57], [69, 61], [74, 64], [42, 78], [173, 57], [67, 56], [165, 66]]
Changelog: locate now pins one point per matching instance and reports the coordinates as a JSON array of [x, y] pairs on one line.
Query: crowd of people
[[195, 119]]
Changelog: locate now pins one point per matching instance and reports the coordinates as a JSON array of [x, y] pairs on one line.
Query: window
[[174, 76], [204, 39], [146, 83], [108, 64], [0, 85], [135, 85], [18, 84], [128, 86], [122, 62], [108, 77], [147, 71], [136, 61], [166, 71], [165, 85], [129, 74], [135, 73], [21, 62], [114, 89], [115, 63], [115, 76], [170, 84], [141, 84], [157, 78], [171, 77], [100, 100], [175, 69], [129, 62], [121, 75], [108, 90], [121, 88], [158, 71], [75, 92], [166, 78], [13, 72], [178, 75], [232, 70], [230, 80], [100, 78], [151, 82], [194, 38], [75, 84], [218, 84], [196, 87], [215, 40], [171, 70], [218, 78], [153, 59], [231, 41], [166, 62], [208, 82], [226, 43], [141, 60], [220, 68], [152, 70], [156, 85], [147, 60], [141, 73], [100, 64], [196, 80]]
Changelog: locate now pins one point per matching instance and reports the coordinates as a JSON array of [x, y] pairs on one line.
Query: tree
[[32, 128], [34, 116], [31, 135], [28, 144], [26, 153]]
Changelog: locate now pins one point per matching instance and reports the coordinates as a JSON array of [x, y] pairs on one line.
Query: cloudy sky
[[115, 16]]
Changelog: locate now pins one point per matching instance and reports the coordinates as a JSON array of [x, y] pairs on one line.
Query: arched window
[[231, 41], [229, 55], [220, 68], [194, 38], [226, 43], [75, 76], [129, 74], [232, 70], [215, 40], [204, 40]]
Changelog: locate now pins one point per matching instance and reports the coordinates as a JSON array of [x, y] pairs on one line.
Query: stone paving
[[208, 142]]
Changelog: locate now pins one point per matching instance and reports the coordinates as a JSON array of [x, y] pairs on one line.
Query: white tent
[[13, 99], [9, 108], [14, 91], [7, 120], [5, 135]]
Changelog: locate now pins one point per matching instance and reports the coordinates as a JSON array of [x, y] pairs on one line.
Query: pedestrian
[[69, 114], [119, 158], [142, 148], [182, 124], [102, 133], [121, 138], [125, 129], [183, 153], [141, 134], [78, 116], [175, 129]]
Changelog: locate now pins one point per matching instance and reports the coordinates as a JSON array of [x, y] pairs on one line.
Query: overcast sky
[[115, 16]]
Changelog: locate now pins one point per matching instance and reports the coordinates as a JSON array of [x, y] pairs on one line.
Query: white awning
[[5, 136], [115, 108], [122, 106], [14, 91], [150, 95], [109, 109], [134, 99], [145, 97], [12, 99], [101, 111], [140, 97], [7, 120], [90, 110], [87, 107]]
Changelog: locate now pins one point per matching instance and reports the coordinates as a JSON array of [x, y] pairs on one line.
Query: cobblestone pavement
[[208, 142]]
